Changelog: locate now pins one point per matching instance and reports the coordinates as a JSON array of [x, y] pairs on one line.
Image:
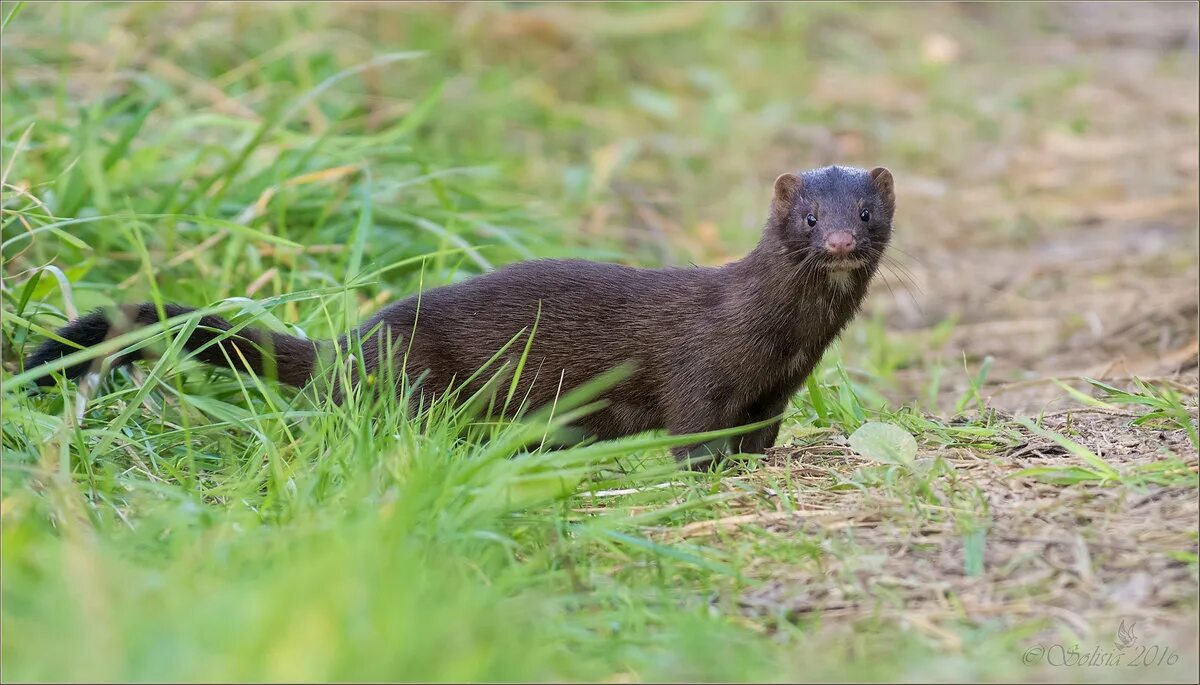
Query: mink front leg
[[693, 411], [757, 441], [700, 456], [708, 415]]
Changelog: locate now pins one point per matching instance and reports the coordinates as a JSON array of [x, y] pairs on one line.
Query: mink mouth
[[844, 264]]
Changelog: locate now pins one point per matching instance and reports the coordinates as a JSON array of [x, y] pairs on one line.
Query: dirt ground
[[1087, 555]]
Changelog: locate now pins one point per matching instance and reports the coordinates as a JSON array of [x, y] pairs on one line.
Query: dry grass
[[1058, 562]]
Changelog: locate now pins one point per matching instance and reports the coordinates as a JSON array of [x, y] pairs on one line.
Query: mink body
[[710, 347]]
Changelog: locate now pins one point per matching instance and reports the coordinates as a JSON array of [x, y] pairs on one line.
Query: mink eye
[[811, 219], [866, 215]]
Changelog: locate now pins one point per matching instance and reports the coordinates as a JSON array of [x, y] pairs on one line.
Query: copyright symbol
[[1033, 655]]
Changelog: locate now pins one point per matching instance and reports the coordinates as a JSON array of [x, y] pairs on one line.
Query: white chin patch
[[840, 278], [840, 272]]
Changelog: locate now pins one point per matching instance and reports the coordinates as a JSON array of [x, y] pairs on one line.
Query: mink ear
[[787, 189], [885, 185]]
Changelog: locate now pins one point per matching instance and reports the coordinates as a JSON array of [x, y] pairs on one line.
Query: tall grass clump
[[177, 522]]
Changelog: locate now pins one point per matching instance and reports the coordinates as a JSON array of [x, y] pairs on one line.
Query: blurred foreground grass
[[196, 525]]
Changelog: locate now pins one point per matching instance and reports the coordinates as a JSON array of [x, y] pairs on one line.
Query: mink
[[710, 348]]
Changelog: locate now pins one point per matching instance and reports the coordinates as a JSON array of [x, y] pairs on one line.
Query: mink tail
[[286, 357]]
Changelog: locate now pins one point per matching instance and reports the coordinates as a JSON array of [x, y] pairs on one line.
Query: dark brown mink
[[710, 347]]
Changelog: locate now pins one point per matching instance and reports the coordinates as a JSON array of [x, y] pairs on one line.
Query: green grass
[[294, 167]]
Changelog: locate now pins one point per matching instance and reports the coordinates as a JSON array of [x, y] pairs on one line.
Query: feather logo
[[1125, 636]]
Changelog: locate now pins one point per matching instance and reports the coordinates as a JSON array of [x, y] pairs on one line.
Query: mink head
[[836, 218]]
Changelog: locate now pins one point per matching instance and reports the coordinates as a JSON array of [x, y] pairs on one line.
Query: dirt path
[[1069, 252]]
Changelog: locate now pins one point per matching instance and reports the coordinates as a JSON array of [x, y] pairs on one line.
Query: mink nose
[[839, 244]]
